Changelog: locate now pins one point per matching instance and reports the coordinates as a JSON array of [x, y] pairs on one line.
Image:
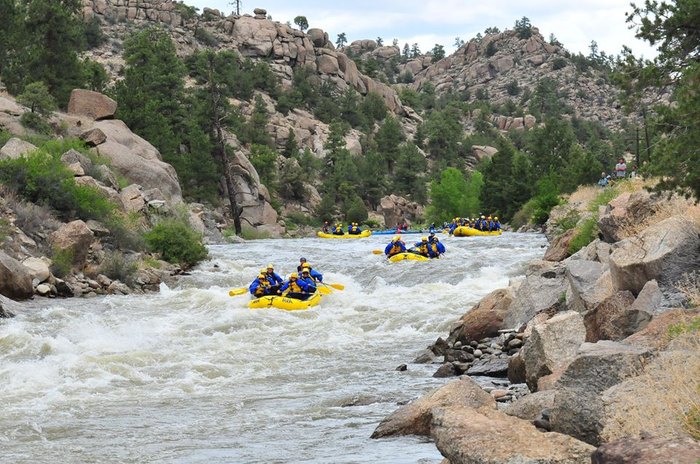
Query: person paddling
[[260, 286], [272, 277], [315, 275], [395, 247], [295, 288]]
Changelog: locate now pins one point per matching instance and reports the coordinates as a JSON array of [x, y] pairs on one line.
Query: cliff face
[[498, 61], [501, 66]]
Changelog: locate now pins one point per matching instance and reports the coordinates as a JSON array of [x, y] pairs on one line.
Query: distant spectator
[[633, 172], [620, 168], [603, 182]]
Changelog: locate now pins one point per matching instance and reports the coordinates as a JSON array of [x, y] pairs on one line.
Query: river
[[191, 375]]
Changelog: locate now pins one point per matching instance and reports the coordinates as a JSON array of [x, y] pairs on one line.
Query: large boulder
[[415, 417], [663, 252], [396, 209], [486, 436], [91, 104], [622, 212], [16, 148], [544, 287], [655, 335], [530, 407], [484, 320], [137, 160], [38, 268], [15, 279], [614, 318], [578, 406], [75, 236], [589, 284], [552, 345], [648, 450]]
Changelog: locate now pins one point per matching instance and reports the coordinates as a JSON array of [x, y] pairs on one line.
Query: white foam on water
[[190, 374]]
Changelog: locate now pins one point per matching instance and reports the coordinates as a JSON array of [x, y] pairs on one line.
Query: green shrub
[[585, 234], [4, 137], [5, 228], [298, 218], [558, 63], [36, 122], [62, 262], [205, 37], [569, 221], [248, 233], [176, 242], [524, 215], [603, 198], [117, 266], [42, 178]]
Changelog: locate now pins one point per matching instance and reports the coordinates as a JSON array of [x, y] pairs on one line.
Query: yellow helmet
[[396, 238], [293, 275], [261, 276], [270, 266], [424, 239], [307, 266], [495, 218], [482, 217]]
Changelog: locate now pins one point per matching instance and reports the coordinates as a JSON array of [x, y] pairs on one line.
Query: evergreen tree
[[438, 53], [673, 27], [152, 92], [373, 177], [409, 174], [302, 22], [45, 46], [388, 138], [341, 40]]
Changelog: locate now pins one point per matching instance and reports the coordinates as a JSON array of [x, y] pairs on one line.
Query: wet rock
[[493, 367], [648, 450]]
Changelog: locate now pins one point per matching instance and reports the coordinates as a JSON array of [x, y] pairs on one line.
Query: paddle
[[237, 291], [336, 286], [324, 290], [377, 252]]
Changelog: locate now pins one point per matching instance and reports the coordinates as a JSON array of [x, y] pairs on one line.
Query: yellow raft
[[464, 231], [283, 302], [363, 234], [403, 256]]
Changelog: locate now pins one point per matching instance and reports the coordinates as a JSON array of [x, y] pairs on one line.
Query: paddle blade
[[338, 286], [237, 291], [324, 290], [377, 252]]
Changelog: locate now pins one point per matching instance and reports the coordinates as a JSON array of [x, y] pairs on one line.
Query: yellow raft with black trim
[[363, 234], [283, 302], [404, 256], [464, 231]]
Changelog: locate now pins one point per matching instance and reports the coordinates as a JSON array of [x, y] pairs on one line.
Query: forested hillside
[[282, 127]]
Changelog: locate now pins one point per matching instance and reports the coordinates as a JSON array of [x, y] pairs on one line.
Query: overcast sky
[[428, 22]]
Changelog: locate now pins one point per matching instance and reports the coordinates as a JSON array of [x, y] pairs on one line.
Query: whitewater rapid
[[191, 375]]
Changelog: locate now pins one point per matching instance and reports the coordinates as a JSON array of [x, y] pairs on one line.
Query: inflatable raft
[[404, 256], [283, 302], [363, 234], [464, 231]]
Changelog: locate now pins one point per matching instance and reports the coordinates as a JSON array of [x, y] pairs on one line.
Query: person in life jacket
[[354, 229], [423, 248], [260, 286], [302, 261], [272, 277], [315, 275], [338, 229], [496, 223], [326, 227], [308, 280], [295, 287], [395, 247], [435, 245]]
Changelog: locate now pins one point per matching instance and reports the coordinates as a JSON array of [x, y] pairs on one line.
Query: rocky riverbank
[[593, 356]]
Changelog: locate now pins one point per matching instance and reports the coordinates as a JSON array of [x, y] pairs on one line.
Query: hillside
[[499, 86]]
